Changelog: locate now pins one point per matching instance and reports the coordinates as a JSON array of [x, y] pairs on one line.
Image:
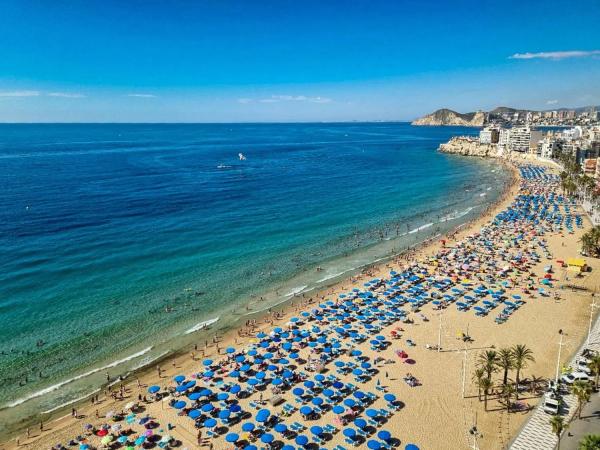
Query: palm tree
[[590, 241], [558, 426], [594, 366], [507, 393], [505, 362], [478, 377], [582, 390], [486, 385], [521, 356], [487, 361], [534, 383], [590, 442]]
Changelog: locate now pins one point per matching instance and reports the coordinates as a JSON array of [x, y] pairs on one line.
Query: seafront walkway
[[537, 433]]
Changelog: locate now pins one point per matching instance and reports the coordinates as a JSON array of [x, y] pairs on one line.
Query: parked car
[[582, 366], [571, 378], [551, 404]]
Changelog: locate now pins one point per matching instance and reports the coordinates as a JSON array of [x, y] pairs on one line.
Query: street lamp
[[560, 344]]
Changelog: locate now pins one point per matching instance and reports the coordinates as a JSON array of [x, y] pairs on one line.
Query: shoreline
[[238, 333]]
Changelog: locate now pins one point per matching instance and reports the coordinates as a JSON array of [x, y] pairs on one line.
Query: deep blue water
[[104, 226]]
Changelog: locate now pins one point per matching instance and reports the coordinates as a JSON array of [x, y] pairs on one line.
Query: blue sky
[[280, 60]]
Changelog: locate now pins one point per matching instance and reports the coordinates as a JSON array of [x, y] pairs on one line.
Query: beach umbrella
[[122, 439], [389, 397], [222, 396], [288, 447], [338, 385], [317, 401], [320, 377], [235, 408], [384, 435], [298, 391], [328, 393], [207, 407], [306, 410], [232, 437], [240, 358], [373, 444], [194, 414], [234, 373], [236, 388], [301, 440], [372, 413], [248, 426], [180, 404], [337, 409], [250, 447], [179, 379], [230, 350], [360, 423], [263, 415], [106, 439], [153, 389], [309, 384], [84, 447], [349, 432], [210, 423], [316, 430], [276, 381], [280, 427], [359, 395], [349, 403], [194, 396], [140, 440], [267, 438], [224, 414], [411, 447]]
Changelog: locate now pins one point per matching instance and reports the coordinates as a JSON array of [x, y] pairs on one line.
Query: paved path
[[537, 432], [589, 424]]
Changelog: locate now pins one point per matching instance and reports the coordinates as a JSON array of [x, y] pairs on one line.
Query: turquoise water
[[106, 227]]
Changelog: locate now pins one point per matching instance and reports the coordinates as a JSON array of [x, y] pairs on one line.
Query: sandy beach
[[436, 414]]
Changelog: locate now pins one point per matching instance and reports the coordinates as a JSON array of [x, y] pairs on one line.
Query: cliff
[[468, 146], [449, 117]]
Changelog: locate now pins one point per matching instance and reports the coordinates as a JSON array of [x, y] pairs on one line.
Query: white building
[[548, 147], [523, 139], [489, 135], [572, 133]]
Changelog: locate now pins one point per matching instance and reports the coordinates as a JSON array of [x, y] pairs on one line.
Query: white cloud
[[551, 102], [20, 94], [295, 98], [244, 100], [142, 95], [556, 55], [65, 95]]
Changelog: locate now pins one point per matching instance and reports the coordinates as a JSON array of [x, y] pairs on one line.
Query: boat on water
[[242, 157]]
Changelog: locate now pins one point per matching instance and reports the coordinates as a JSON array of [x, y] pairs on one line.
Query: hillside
[[449, 117]]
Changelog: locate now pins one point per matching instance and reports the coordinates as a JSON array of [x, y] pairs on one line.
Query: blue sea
[[120, 241]]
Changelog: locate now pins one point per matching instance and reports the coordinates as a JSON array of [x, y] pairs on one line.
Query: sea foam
[[56, 386], [202, 325]]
